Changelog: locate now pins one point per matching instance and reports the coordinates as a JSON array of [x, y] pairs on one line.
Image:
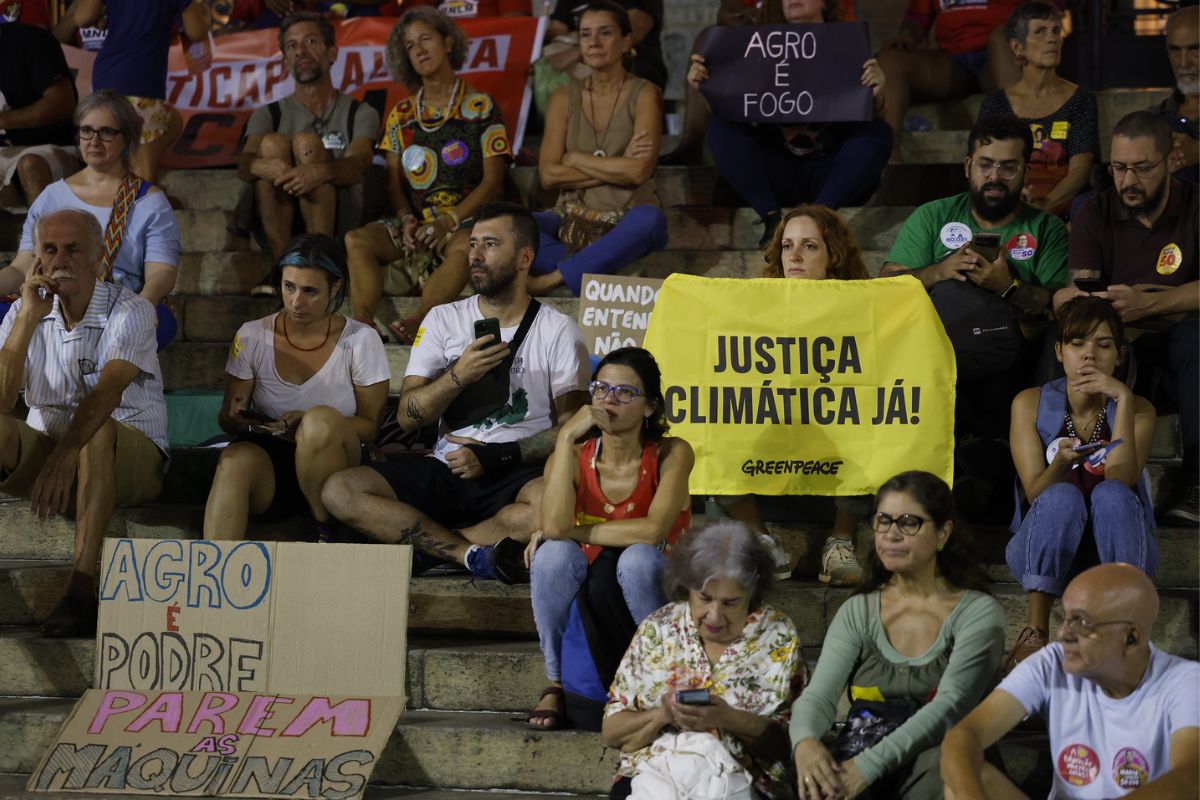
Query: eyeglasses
[[624, 394], [1007, 170], [1082, 627], [908, 524], [86, 132], [1142, 170]]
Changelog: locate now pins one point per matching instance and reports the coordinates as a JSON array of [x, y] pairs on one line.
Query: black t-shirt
[[648, 60], [31, 60]]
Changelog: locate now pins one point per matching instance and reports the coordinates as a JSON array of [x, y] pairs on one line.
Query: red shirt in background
[[469, 9], [961, 26], [31, 12]]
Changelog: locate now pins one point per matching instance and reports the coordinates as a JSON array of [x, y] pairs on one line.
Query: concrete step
[[12, 787], [452, 605], [448, 750], [442, 674]]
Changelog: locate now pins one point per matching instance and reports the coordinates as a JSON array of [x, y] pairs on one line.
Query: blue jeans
[[1043, 551], [167, 324], [642, 230], [754, 160], [559, 567]]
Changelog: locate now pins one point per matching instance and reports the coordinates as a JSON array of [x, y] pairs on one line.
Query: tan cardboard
[[614, 311]]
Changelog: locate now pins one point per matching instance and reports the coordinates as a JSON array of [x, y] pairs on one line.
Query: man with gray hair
[[83, 352], [1182, 109]]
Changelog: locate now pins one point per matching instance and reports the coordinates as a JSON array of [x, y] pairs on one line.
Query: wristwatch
[[1012, 287]]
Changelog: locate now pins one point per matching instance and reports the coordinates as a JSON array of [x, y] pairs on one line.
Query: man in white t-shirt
[[477, 495], [1123, 716]]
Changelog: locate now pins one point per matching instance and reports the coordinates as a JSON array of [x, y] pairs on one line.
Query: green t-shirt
[[1035, 242]]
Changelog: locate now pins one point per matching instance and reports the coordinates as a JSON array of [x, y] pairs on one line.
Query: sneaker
[[503, 561], [839, 567], [781, 567], [1028, 642], [1187, 507], [264, 290]]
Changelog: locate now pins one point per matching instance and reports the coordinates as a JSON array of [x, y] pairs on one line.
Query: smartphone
[[693, 697], [256, 415], [488, 326], [987, 245], [1090, 285], [1088, 447]]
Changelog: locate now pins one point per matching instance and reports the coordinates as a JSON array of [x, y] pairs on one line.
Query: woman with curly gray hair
[[446, 147], [716, 659]]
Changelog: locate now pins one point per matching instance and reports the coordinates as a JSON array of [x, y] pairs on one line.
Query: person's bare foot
[[400, 329], [550, 712], [538, 285]]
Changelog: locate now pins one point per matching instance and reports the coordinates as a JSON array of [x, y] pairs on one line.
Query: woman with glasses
[[917, 646], [615, 482], [1061, 116], [141, 237], [304, 390], [1071, 482], [831, 164]]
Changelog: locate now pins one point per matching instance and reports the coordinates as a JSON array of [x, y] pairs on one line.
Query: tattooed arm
[[422, 400]]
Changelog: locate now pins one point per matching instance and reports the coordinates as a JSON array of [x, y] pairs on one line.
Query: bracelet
[[454, 377], [457, 221]]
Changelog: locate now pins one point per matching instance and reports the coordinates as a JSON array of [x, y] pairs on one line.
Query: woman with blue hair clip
[[305, 389]]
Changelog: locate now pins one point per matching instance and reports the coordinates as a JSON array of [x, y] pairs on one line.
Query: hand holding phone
[[693, 697], [987, 245], [489, 326]]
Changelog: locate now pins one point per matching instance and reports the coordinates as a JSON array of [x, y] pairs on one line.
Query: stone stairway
[[473, 662]]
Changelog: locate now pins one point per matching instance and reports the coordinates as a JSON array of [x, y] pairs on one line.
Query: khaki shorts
[[138, 464]]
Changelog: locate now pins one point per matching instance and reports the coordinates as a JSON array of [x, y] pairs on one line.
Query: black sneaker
[[503, 561], [1187, 507]]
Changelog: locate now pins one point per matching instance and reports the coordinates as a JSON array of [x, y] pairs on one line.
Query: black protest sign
[[788, 73]]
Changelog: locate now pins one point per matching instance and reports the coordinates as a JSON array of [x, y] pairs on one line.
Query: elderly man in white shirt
[[84, 354]]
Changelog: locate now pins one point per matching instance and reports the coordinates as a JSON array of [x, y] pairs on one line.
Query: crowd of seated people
[[1088, 296]]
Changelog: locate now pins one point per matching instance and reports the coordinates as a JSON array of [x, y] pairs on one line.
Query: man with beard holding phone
[[476, 498], [84, 353], [970, 288], [1139, 241], [306, 153]]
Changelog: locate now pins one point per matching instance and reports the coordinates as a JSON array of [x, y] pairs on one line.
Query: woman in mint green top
[[920, 629]]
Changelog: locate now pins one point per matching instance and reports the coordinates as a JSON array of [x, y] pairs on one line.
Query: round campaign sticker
[[955, 234], [1021, 247], [455, 152], [1130, 769], [1053, 448], [1169, 259], [1078, 764]]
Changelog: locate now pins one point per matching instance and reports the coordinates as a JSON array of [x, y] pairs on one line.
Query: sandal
[[400, 329], [554, 718]]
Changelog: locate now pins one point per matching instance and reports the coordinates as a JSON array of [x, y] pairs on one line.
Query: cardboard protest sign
[[804, 387], [788, 73], [246, 71], [614, 311], [238, 669], [196, 615], [218, 744]]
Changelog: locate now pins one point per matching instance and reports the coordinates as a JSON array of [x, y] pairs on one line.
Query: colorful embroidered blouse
[[762, 673]]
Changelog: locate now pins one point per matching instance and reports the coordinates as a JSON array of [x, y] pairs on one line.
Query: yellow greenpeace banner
[[789, 386]]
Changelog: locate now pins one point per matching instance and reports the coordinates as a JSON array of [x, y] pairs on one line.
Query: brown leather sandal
[[555, 718]]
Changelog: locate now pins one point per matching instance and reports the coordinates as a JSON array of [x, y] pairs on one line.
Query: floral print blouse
[[762, 673]]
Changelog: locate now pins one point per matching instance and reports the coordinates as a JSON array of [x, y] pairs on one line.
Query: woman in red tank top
[[615, 480]]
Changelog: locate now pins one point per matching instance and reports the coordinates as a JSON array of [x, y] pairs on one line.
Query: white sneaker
[[839, 567], [779, 558]]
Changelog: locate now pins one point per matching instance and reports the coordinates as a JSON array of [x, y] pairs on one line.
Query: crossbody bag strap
[[118, 221], [531, 312]]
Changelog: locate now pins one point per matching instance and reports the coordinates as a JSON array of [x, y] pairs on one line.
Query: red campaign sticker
[[1021, 247], [1078, 764], [1130, 769]]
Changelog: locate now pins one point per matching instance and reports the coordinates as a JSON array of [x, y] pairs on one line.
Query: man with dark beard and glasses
[[1137, 242], [498, 406], [983, 289], [307, 153]]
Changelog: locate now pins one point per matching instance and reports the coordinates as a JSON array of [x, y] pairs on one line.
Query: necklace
[[328, 328], [600, 152], [1101, 416], [435, 114]]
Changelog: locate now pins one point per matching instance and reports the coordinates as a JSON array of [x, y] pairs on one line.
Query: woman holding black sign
[[600, 149], [304, 388], [772, 166]]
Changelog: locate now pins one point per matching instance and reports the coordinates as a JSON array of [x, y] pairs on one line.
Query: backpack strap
[[131, 188]]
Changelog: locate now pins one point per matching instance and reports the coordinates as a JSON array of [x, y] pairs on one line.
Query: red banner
[[247, 72]]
